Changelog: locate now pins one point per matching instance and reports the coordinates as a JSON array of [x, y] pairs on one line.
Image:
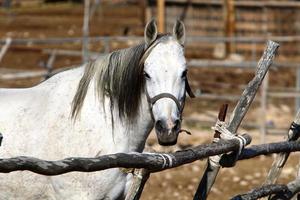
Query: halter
[[180, 106], [153, 100]]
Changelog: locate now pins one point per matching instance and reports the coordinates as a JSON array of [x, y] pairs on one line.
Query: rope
[[221, 127], [167, 159]]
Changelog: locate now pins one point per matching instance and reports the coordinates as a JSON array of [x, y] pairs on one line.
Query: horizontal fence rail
[[213, 39], [277, 191], [152, 161]]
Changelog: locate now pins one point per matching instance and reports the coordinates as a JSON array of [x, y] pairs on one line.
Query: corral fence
[[225, 151], [267, 91]]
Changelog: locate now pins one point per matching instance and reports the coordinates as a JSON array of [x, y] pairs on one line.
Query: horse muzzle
[[167, 131]]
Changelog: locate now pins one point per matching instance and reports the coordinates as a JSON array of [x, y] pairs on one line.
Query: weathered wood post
[[204, 180], [279, 162], [85, 31], [263, 104], [297, 100], [140, 177], [50, 63], [5, 48], [161, 15], [238, 114], [229, 24]]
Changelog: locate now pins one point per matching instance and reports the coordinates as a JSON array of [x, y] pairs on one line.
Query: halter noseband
[[180, 106], [153, 100]]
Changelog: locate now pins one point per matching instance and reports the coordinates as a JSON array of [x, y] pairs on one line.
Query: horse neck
[[125, 137], [139, 132]]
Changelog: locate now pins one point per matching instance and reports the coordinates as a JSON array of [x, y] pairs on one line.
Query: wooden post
[[229, 24], [297, 101], [5, 48], [140, 177], [94, 7], [281, 158], [106, 44], [205, 181], [263, 102], [143, 6], [238, 114], [85, 29], [161, 15], [49, 65], [296, 197]]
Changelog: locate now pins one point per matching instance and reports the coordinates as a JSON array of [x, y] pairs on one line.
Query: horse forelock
[[118, 76]]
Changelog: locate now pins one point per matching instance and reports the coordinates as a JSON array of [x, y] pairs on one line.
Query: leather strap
[[154, 99], [188, 89], [165, 95]]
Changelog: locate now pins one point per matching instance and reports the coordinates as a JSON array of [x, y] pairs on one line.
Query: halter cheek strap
[[188, 89]]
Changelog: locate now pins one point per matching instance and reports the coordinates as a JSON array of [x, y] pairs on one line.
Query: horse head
[[165, 74]]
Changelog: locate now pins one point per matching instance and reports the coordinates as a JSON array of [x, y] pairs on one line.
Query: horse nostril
[[177, 125], [159, 125]]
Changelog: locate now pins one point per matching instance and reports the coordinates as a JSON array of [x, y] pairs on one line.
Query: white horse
[[103, 107]]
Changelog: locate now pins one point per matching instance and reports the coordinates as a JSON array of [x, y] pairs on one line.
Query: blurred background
[[225, 39]]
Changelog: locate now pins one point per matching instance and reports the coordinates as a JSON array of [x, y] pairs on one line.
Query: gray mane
[[119, 76]]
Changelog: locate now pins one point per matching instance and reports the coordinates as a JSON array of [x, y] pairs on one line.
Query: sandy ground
[[181, 182]]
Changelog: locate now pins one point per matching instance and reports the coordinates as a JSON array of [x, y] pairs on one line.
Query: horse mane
[[119, 76]]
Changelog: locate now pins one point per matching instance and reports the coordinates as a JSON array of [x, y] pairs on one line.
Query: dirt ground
[[181, 182], [65, 20]]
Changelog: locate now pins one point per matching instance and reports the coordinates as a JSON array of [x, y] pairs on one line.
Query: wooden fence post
[[263, 103], [297, 101], [85, 30], [50, 63], [5, 48], [140, 177], [238, 114], [161, 15], [281, 158], [229, 24], [204, 181]]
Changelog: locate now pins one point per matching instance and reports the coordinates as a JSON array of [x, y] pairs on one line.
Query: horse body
[[106, 106], [36, 114]]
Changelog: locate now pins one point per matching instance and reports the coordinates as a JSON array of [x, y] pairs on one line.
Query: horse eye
[[147, 75], [184, 74]]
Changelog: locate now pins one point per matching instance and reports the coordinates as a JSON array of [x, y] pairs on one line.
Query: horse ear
[[150, 32], [179, 31]]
